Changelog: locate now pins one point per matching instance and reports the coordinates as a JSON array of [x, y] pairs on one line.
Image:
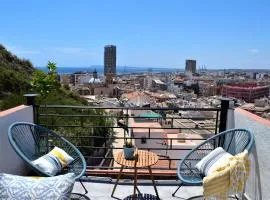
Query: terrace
[[170, 136]]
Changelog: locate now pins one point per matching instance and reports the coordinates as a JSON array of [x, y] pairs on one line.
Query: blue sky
[[150, 33]]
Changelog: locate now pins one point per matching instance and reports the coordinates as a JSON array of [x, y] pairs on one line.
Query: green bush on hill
[[15, 74], [10, 61], [12, 81]]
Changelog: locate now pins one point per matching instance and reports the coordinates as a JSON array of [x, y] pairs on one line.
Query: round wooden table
[[142, 159]]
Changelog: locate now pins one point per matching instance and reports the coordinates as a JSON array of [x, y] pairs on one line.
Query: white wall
[[257, 187], [9, 161]]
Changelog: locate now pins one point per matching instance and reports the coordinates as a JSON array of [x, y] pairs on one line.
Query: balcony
[[170, 133], [167, 134]]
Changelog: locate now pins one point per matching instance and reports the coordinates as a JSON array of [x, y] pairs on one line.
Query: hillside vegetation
[[16, 75], [10, 61]]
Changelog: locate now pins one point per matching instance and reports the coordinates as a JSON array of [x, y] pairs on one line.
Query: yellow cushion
[[62, 156]]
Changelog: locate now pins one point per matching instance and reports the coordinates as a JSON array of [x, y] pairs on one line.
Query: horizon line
[[161, 67]]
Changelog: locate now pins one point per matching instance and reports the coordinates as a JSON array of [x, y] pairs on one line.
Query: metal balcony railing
[[100, 131]]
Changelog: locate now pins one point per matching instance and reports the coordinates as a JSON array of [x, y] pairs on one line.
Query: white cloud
[[254, 51], [21, 51], [27, 52], [74, 51], [58, 50], [68, 50]]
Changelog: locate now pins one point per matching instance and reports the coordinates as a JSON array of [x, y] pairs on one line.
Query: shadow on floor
[[142, 197], [200, 197], [77, 196]]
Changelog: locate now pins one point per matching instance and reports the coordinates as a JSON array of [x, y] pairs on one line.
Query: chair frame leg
[[85, 190], [181, 184]]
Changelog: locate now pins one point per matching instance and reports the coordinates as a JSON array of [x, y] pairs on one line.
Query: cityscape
[[194, 87]]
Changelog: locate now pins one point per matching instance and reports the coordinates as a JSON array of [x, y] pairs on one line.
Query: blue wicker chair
[[31, 141], [233, 141]]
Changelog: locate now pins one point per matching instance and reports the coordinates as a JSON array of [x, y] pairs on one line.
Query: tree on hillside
[[43, 83]]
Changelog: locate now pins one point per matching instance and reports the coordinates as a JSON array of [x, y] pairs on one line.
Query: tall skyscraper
[[109, 60], [191, 66]]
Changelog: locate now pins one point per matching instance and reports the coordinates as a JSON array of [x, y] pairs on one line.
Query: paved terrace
[[101, 190]]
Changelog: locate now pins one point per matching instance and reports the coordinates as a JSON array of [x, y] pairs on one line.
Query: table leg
[[138, 190], [153, 181], [135, 183], [119, 175]]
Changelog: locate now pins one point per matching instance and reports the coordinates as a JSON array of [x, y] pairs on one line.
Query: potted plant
[[129, 150]]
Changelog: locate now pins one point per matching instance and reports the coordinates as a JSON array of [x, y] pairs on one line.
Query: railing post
[[216, 124], [126, 131], [225, 102], [30, 100]]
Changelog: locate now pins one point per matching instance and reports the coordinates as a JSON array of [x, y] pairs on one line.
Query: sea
[[119, 69]]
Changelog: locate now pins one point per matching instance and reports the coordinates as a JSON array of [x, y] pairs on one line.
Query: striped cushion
[[213, 160], [62, 156], [53, 162]]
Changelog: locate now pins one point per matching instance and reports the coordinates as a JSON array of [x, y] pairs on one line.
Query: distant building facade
[[109, 59], [190, 66], [247, 92], [207, 89], [158, 85], [148, 82]]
